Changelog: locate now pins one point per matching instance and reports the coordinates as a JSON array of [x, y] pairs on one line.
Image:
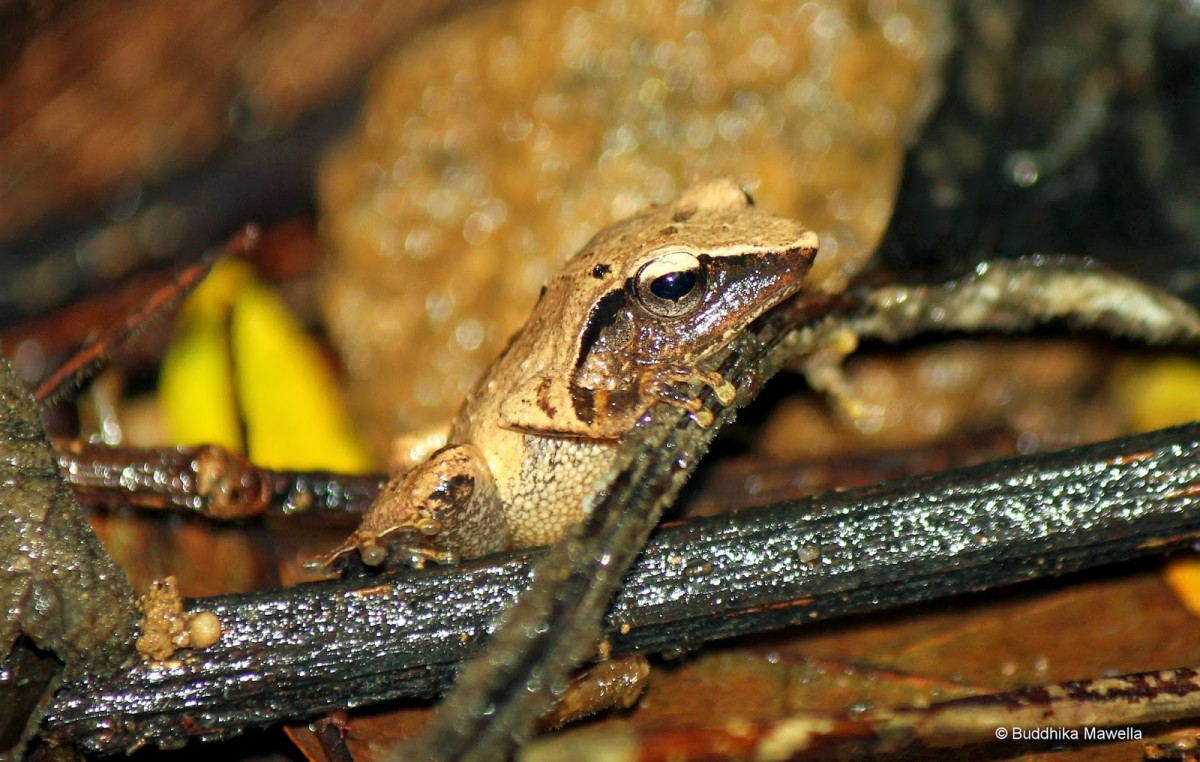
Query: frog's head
[[681, 281], [659, 291]]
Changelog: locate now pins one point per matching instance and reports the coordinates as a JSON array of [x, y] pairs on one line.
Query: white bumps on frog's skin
[[546, 496]]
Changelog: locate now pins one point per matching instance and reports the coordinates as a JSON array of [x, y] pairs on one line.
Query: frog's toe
[[683, 399], [320, 565], [372, 554], [703, 417], [331, 562], [365, 544], [725, 391], [419, 557]]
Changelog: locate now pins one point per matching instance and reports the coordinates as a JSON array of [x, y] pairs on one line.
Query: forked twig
[[84, 363]]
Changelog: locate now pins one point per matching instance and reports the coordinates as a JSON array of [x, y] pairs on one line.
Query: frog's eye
[[670, 285]]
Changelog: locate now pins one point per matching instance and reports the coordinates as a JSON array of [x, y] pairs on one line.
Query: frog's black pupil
[[673, 286]]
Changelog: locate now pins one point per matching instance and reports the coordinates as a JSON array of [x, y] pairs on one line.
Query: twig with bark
[[295, 652]]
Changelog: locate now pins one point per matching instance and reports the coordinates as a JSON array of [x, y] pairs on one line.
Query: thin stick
[[94, 354], [1079, 711], [207, 480]]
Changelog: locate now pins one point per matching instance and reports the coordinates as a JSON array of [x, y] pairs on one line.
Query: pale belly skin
[[628, 323], [543, 482]]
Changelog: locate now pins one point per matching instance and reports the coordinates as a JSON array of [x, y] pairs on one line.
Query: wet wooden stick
[[207, 480], [293, 653], [212, 482], [1075, 712]]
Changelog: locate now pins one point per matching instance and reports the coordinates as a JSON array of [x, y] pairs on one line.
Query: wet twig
[[1078, 711], [207, 480], [216, 483], [295, 652]]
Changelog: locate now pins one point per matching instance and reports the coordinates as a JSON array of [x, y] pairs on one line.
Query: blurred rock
[[492, 147]]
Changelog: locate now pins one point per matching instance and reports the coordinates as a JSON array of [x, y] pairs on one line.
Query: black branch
[[291, 653]]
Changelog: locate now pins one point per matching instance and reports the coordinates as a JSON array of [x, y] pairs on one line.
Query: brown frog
[[628, 322]]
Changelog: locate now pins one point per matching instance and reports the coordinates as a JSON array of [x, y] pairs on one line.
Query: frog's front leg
[[823, 364], [1008, 296], [669, 384], [615, 683], [445, 509]]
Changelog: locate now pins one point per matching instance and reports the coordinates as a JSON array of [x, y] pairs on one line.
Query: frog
[[628, 322]]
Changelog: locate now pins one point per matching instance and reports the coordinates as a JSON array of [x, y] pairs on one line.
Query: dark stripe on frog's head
[[543, 398], [604, 313], [455, 491], [583, 400]]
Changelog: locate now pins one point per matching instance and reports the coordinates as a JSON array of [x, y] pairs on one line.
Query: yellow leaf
[[1183, 577], [195, 383], [290, 401], [1160, 392], [209, 304], [238, 346], [1157, 393]]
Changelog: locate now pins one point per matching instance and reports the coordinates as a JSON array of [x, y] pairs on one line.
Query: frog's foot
[[375, 550], [419, 557], [371, 553], [444, 509], [609, 684], [668, 385], [397, 544], [826, 372]]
